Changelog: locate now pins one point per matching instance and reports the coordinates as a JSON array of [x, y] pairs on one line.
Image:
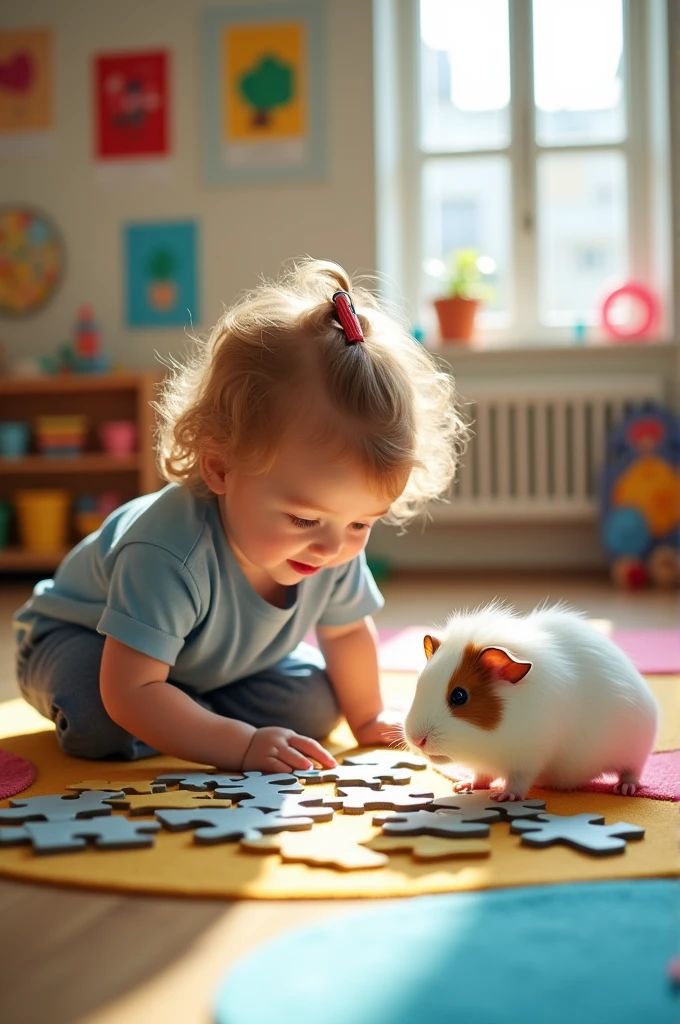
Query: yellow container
[[42, 517]]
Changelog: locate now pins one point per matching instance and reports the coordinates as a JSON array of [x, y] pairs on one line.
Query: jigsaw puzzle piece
[[388, 759], [256, 789], [140, 803], [57, 808], [430, 847], [441, 823], [371, 776], [479, 806], [225, 826], [199, 781], [291, 805], [318, 850], [66, 836], [584, 832], [120, 785], [357, 799]]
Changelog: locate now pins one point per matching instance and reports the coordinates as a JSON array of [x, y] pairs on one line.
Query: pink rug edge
[[16, 774]]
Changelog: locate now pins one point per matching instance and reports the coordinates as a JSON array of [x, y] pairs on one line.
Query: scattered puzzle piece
[[291, 805], [114, 833], [200, 781], [57, 808], [479, 806], [357, 799], [430, 847], [255, 789], [388, 759], [140, 803], [120, 785], [224, 826], [585, 832], [425, 823], [372, 776], [317, 849]]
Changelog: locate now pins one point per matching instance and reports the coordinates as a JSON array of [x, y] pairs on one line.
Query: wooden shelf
[[72, 382], [16, 559], [99, 397], [89, 462]]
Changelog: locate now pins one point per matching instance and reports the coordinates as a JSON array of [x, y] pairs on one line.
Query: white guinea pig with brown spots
[[539, 699]]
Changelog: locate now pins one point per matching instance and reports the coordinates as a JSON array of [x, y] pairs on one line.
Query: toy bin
[[42, 518], [118, 437], [15, 436], [61, 436]]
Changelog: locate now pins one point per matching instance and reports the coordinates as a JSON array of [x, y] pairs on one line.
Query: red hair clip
[[347, 316]]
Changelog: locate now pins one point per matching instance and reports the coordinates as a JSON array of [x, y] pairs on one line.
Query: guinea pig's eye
[[458, 696]]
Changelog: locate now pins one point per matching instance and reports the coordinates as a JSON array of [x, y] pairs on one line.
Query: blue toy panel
[[640, 489]]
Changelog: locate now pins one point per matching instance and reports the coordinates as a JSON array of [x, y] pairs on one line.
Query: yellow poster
[[264, 81], [25, 80]]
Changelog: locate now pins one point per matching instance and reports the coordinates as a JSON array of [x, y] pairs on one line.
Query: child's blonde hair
[[278, 349]]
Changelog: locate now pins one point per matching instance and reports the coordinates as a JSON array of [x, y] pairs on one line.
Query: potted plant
[[464, 291]]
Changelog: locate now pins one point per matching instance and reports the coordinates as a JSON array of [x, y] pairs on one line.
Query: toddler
[[308, 415]]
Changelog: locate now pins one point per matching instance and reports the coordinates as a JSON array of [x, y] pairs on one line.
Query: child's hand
[[385, 729], [275, 749]]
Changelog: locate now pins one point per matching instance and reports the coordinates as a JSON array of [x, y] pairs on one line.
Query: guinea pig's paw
[[625, 788], [463, 786], [507, 795]]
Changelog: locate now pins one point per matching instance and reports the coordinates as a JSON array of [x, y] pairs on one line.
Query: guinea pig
[[540, 699]]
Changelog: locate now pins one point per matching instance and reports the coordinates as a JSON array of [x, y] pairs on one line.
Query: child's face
[[310, 511]]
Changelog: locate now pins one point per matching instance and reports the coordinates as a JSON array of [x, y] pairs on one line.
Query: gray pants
[[59, 676]]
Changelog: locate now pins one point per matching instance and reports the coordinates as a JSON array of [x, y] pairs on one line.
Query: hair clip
[[347, 315]]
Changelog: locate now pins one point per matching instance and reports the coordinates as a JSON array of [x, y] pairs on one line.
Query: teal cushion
[[564, 954]]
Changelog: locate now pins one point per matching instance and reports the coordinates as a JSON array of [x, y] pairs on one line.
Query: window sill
[[486, 349]]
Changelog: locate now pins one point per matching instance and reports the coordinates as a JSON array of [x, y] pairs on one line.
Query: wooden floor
[[69, 956]]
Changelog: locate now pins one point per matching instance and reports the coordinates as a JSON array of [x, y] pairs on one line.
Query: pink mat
[[16, 774], [652, 651], [660, 778]]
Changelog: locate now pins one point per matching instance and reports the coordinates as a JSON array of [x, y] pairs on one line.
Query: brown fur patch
[[485, 706]]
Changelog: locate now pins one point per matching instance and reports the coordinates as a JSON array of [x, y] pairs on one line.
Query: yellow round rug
[[177, 865]]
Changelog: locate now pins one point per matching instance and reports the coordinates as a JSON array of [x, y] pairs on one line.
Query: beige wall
[[245, 231]]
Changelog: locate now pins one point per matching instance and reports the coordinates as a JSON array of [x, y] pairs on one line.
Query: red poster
[[132, 105]]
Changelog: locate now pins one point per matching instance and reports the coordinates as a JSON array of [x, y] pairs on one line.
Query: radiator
[[538, 445]]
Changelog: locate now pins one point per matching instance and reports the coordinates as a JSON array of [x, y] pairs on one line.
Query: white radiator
[[538, 445]]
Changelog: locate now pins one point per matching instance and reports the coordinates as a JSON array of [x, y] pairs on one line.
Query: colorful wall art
[[131, 105], [31, 260], [264, 91], [161, 274], [25, 81]]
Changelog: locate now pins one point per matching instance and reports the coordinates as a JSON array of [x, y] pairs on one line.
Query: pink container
[[119, 437]]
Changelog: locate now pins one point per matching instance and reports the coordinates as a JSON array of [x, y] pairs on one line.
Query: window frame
[[522, 152]]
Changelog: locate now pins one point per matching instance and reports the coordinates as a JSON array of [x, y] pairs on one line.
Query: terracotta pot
[[456, 318]]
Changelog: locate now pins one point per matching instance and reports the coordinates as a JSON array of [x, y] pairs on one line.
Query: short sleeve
[[153, 602], [355, 595]]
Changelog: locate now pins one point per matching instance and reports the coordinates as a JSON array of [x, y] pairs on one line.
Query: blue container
[[15, 437]]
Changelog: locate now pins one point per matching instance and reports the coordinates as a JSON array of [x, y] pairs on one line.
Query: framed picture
[[131, 105], [161, 274], [264, 79], [26, 85]]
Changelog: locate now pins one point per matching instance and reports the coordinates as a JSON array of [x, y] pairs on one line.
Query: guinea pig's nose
[[420, 741]]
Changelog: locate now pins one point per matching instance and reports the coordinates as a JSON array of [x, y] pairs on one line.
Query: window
[[528, 142]]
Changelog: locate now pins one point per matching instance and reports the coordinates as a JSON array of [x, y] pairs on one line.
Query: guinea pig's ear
[[431, 645], [502, 664]]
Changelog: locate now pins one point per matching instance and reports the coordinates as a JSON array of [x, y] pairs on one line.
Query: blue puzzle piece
[[58, 808]]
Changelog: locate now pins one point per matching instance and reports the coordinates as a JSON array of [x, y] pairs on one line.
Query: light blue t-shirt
[[161, 577]]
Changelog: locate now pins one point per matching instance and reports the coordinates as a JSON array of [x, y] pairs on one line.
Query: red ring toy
[[641, 294]]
